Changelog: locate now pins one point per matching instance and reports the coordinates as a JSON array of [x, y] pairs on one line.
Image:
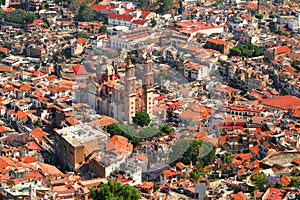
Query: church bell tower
[[148, 89], [129, 92]]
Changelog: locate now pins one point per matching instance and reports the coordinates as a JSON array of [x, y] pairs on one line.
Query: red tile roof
[[254, 149], [144, 14], [239, 196], [25, 87], [99, 7], [4, 68], [169, 173], [217, 41], [38, 133], [5, 161], [118, 142], [29, 159], [81, 40], [49, 169], [285, 180], [273, 193], [180, 165], [280, 50], [21, 115], [122, 17], [296, 161], [252, 5], [80, 70], [33, 146], [139, 21], [104, 121], [37, 21], [3, 129], [282, 102]]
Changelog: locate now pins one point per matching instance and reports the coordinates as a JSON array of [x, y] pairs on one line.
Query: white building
[[120, 19], [129, 38], [195, 71]]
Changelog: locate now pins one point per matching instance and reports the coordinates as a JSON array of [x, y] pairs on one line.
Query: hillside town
[[150, 99]]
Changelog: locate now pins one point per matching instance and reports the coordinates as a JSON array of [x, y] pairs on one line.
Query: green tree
[[29, 18], [155, 187], [114, 191], [86, 13], [199, 152], [44, 25], [19, 16], [142, 119], [103, 29], [295, 182], [166, 5], [197, 175], [227, 158], [235, 51], [259, 16], [166, 129], [39, 123], [272, 16], [247, 53], [278, 185], [295, 173], [295, 64], [259, 180], [247, 50], [258, 51]]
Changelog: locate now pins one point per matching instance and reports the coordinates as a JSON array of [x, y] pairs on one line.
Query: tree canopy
[[18, 16], [227, 158], [39, 123], [86, 13], [259, 180], [199, 152], [103, 29], [166, 5], [247, 50], [295, 182], [142, 119], [114, 191], [259, 16], [272, 16], [166, 129]]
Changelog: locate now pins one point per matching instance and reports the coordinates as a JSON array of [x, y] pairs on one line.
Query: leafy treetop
[[114, 191], [142, 119]]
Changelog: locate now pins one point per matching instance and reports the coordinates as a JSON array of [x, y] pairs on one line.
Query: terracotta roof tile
[[169, 173], [38, 133]]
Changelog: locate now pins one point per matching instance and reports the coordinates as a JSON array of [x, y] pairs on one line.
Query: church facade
[[120, 96]]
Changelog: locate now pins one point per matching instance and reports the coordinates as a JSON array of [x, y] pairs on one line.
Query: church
[[119, 95]]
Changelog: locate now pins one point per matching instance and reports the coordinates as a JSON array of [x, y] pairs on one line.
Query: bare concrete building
[[76, 143]]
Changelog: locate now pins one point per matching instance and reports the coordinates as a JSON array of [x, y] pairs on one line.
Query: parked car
[[179, 190], [165, 190]]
